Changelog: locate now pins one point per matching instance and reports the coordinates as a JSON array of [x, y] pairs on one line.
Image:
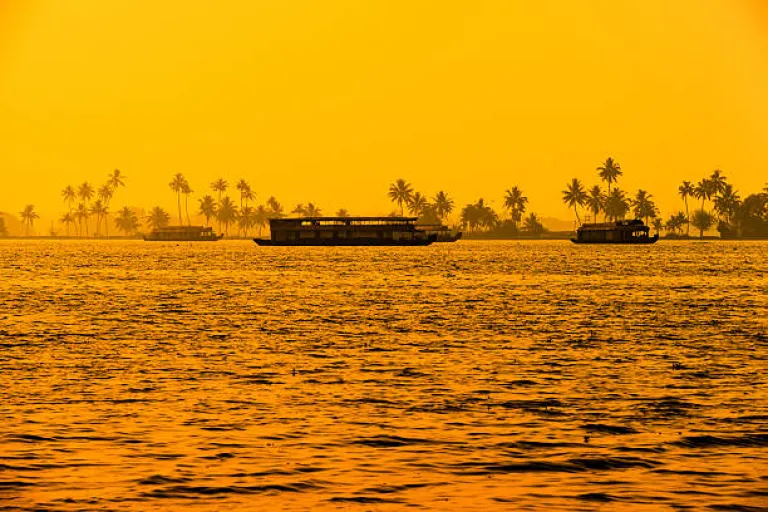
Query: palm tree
[[207, 208], [246, 219], [533, 225], [616, 205], [717, 182], [727, 203], [245, 190], [99, 209], [595, 201], [105, 195], [342, 212], [574, 196], [177, 184], [515, 201], [127, 221], [443, 205], [469, 217], [300, 210], [261, 217], [115, 179], [187, 191], [313, 211], [227, 213], [400, 192], [686, 190], [609, 172], [658, 224], [644, 207], [81, 214], [28, 217], [275, 208], [417, 204], [85, 193], [3, 228], [69, 195], [158, 218], [220, 186], [67, 219]]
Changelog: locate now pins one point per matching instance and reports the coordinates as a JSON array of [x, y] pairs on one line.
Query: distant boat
[[331, 231], [182, 234], [444, 233], [619, 232]]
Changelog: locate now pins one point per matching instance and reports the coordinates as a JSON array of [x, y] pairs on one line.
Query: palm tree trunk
[[186, 208], [687, 218], [178, 200], [578, 219]]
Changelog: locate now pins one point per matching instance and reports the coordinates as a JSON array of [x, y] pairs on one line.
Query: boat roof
[[347, 219], [620, 224]]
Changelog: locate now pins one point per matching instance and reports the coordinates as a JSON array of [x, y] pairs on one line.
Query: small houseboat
[[619, 232], [182, 234], [346, 231]]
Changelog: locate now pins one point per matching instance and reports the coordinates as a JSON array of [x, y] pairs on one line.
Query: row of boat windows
[[329, 235]]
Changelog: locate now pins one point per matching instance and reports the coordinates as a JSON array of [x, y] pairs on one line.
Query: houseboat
[[182, 234], [619, 232], [444, 233], [346, 231]]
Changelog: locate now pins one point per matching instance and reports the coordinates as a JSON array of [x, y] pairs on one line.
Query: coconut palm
[[115, 179], [686, 190], [300, 210], [702, 220], [443, 205], [644, 206], [245, 192], [609, 172], [207, 208], [82, 214], [533, 225], [67, 219], [187, 191], [400, 192], [574, 196], [342, 212], [717, 182], [658, 224], [177, 184], [220, 186], [105, 195], [158, 218], [275, 208], [69, 195], [127, 221], [515, 201], [595, 201], [261, 217], [313, 211], [85, 193], [99, 209], [616, 205], [227, 213], [28, 217], [727, 202], [3, 228], [417, 204], [246, 219]]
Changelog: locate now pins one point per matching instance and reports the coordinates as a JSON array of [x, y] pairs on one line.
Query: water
[[461, 376]]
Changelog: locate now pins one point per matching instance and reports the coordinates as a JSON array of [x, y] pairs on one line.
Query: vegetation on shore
[[88, 208]]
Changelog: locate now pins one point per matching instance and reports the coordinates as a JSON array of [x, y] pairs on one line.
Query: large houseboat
[[619, 232], [182, 234], [347, 231]]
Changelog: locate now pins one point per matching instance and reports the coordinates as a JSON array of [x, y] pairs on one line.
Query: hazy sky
[[330, 101]]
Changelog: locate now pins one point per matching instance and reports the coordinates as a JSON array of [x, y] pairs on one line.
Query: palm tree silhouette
[[99, 210], [574, 196], [105, 195], [609, 172], [220, 186], [533, 225], [702, 220], [400, 192], [261, 217], [313, 211], [127, 221], [595, 201], [67, 219], [515, 201], [300, 210], [115, 179], [644, 207], [177, 184], [417, 204], [3, 228], [227, 213], [245, 192], [616, 204], [85, 193], [158, 218], [342, 212], [717, 182], [703, 190], [727, 202], [28, 217], [275, 208], [187, 191], [443, 205], [685, 191], [207, 208], [81, 214], [246, 219], [69, 195]]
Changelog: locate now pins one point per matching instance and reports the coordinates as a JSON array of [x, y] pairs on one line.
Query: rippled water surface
[[467, 376]]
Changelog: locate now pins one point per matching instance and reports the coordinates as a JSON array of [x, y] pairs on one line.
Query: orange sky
[[330, 101]]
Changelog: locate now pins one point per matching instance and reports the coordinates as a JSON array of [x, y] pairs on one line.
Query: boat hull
[[646, 241], [369, 242], [181, 239]]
